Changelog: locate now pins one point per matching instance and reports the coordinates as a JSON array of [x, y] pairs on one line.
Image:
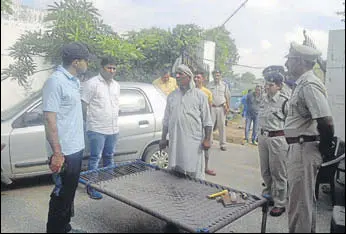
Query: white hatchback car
[[140, 121]]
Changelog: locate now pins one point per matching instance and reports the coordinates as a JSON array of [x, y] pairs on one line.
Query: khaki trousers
[[218, 117], [273, 158], [302, 167]]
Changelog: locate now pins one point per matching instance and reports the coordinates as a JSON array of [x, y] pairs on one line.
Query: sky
[[262, 29]]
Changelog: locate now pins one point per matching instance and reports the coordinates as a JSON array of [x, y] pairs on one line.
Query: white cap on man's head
[[303, 51]]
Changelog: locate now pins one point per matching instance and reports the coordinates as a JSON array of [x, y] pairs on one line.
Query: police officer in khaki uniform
[[309, 132], [272, 144], [220, 106]]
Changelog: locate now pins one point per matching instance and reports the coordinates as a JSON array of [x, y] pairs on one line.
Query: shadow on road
[[28, 182]]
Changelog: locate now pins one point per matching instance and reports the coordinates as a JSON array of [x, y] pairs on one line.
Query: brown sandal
[[210, 172]]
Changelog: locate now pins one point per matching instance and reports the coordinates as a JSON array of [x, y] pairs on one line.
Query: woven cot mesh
[[170, 196]]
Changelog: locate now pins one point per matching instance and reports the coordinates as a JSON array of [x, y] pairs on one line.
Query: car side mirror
[[32, 119]]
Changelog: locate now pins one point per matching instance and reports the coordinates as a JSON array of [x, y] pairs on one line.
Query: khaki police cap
[[303, 51]]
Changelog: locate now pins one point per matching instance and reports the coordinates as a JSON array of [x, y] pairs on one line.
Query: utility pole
[[243, 4]]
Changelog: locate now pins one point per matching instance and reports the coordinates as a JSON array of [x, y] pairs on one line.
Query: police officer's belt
[[301, 139], [272, 133], [213, 105]]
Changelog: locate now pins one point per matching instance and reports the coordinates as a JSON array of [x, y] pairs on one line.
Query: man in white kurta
[[188, 123]]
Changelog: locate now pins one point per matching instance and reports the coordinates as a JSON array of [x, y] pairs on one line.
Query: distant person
[[188, 122], [63, 120], [100, 99], [309, 131], [272, 145], [253, 101], [166, 83], [244, 104], [220, 106], [199, 81]]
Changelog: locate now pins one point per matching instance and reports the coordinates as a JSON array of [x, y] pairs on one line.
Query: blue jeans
[[250, 117], [101, 145], [62, 197]]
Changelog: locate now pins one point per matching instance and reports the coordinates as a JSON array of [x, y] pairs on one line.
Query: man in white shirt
[[100, 101]]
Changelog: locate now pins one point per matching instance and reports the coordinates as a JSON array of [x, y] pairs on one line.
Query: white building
[[335, 79], [12, 27]]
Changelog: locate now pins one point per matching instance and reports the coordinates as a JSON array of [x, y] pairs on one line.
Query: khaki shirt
[[286, 90], [308, 102], [273, 111], [220, 93], [166, 87]]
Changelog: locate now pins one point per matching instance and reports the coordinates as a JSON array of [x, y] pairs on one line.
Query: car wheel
[[152, 156]]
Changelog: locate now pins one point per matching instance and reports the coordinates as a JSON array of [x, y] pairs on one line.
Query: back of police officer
[[309, 131], [272, 144]]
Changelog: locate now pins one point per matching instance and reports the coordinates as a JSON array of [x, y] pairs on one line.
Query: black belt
[[213, 105], [301, 139], [272, 133]]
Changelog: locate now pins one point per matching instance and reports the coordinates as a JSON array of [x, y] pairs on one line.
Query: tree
[[247, 77], [67, 21], [161, 48], [226, 52], [6, 6], [187, 35], [140, 55], [157, 47]]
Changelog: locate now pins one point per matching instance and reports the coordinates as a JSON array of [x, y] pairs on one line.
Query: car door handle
[[143, 123]]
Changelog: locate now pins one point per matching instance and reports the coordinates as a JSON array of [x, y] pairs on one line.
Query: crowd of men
[[294, 129]]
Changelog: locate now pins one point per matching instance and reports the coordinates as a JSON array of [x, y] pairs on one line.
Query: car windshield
[[12, 111]]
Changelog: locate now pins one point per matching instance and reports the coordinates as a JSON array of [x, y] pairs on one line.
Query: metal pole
[[234, 12]]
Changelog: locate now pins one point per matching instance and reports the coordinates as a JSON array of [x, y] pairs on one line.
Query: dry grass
[[235, 130]]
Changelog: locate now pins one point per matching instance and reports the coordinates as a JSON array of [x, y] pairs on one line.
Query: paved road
[[24, 207]]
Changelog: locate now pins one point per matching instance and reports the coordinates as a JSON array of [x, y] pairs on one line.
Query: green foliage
[[6, 6], [226, 52], [140, 55], [187, 35], [247, 77], [158, 48], [67, 21]]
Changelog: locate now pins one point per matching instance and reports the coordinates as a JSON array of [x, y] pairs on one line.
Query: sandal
[[210, 172]]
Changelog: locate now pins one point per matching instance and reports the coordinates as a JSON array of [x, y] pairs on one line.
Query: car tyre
[[153, 157]]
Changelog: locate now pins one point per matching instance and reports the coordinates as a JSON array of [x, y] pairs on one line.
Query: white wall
[[335, 79], [11, 29]]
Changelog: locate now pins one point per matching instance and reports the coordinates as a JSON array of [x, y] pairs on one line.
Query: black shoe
[[223, 148], [277, 211], [171, 228]]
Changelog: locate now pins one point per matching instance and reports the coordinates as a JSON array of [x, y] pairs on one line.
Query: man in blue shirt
[[243, 102], [64, 131], [253, 101]]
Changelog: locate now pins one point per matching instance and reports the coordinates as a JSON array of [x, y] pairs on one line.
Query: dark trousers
[[61, 199]]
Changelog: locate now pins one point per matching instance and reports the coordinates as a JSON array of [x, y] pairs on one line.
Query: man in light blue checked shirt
[[64, 131]]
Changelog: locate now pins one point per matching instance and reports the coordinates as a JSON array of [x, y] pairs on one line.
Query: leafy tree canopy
[[6, 6], [247, 77], [141, 55]]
